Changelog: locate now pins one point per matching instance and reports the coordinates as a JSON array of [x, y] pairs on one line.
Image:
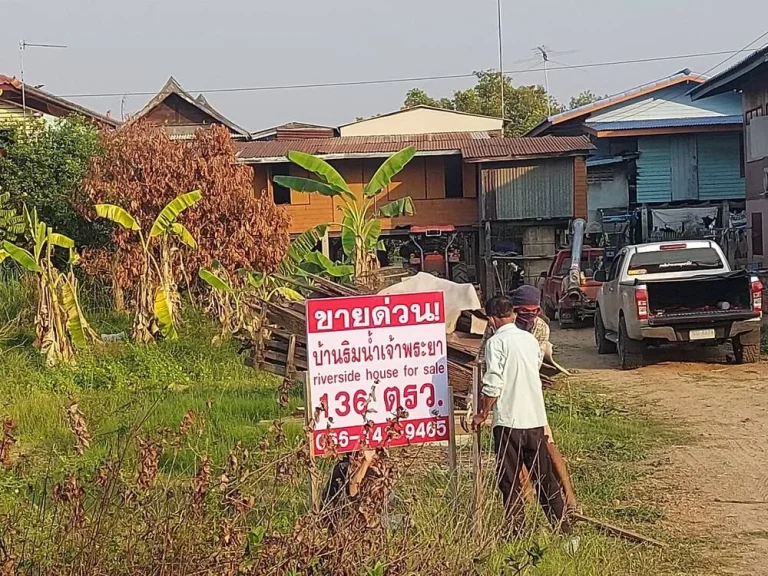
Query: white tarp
[[458, 297]]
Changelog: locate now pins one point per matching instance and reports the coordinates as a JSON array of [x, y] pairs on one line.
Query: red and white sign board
[[370, 356]]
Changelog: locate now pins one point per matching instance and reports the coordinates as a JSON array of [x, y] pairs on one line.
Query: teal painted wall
[[712, 160], [720, 167], [654, 170]]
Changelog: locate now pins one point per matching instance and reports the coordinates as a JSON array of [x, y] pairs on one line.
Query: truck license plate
[[702, 334]]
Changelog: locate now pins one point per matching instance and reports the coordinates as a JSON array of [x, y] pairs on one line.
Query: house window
[[757, 233], [600, 175], [753, 113], [454, 177], [281, 194]]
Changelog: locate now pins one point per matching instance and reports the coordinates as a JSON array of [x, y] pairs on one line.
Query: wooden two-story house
[[464, 175]]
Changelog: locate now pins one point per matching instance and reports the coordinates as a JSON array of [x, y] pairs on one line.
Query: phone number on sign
[[410, 432]]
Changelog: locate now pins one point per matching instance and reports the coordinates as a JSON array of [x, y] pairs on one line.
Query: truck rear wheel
[[604, 346], [630, 351], [745, 353], [549, 312]]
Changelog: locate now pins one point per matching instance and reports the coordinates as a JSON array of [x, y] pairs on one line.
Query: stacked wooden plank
[[284, 351]]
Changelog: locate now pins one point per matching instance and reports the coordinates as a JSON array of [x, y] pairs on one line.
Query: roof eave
[[518, 157], [719, 84], [72, 107], [345, 156], [540, 128]]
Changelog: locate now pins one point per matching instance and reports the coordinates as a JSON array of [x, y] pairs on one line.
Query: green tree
[[417, 97], [584, 98], [43, 166], [11, 222], [524, 106]]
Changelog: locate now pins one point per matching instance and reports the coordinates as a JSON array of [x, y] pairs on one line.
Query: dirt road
[[716, 487]]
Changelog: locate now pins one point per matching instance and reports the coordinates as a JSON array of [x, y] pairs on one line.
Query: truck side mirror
[[601, 276]]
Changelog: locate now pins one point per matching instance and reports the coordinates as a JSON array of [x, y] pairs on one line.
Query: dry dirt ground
[[715, 487]]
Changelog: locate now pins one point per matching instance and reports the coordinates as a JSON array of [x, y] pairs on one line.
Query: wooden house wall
[[423, 179], [175, 111]]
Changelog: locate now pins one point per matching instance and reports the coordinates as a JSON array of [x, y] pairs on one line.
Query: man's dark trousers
[[515, 447]]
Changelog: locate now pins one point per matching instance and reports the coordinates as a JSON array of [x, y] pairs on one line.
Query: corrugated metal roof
[[587, 109], [500, 148], [667, 123], [592, 162], [473, 146], [13, 83], [726, 80]]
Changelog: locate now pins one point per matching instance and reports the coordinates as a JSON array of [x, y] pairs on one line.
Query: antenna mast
[[23, 45]]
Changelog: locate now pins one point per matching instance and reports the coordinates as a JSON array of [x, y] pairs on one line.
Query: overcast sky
[[117, 47]]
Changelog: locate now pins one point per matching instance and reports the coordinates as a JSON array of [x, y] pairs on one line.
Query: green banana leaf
[[348, 236], [170, 213], [391, 167], [164, 314], [21, 256], [184, 235], [117, 215], [319, 263], [289, 293], [252, 277], [75, 322], [397, 208], [214, 281], [300, 248], [3, 255], [321, 169], [306, 185], [60, 240], [371, 233]]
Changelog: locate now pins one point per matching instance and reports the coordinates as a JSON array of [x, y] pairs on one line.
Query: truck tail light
[[757, 295], [641, 302]]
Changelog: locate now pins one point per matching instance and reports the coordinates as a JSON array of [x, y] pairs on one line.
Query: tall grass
[[193, 467]]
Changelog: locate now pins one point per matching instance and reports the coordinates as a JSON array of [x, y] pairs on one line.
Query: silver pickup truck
[[676, 292]]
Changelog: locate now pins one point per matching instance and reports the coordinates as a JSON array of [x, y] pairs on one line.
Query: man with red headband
[[526, 304]]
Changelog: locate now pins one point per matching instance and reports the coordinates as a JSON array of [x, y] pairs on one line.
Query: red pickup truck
[[571, 310]]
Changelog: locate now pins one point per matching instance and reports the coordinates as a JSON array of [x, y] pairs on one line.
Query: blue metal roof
[[605, 161], [668, 123]]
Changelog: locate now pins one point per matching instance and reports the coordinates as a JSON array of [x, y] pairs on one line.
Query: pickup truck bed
[[677, 293]]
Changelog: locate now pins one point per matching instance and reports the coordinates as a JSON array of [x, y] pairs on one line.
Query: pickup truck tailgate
[[724, 297]]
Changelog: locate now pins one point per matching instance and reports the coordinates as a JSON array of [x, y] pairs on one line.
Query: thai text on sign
[[378, 373]]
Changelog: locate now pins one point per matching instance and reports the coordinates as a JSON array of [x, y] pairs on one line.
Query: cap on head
[[525, 296], [498, 307]]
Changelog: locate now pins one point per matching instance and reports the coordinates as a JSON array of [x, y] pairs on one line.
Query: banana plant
[[60, 325], [361, 215], [156, 304]]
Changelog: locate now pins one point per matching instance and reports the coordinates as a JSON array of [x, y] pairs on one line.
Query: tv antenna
[[546, 57], [23, 45]]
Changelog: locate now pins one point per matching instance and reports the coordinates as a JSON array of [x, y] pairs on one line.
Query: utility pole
[[545, 57], [501, 61], [23, 45]]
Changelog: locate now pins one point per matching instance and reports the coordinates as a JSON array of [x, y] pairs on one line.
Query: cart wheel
[[460, 273]]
